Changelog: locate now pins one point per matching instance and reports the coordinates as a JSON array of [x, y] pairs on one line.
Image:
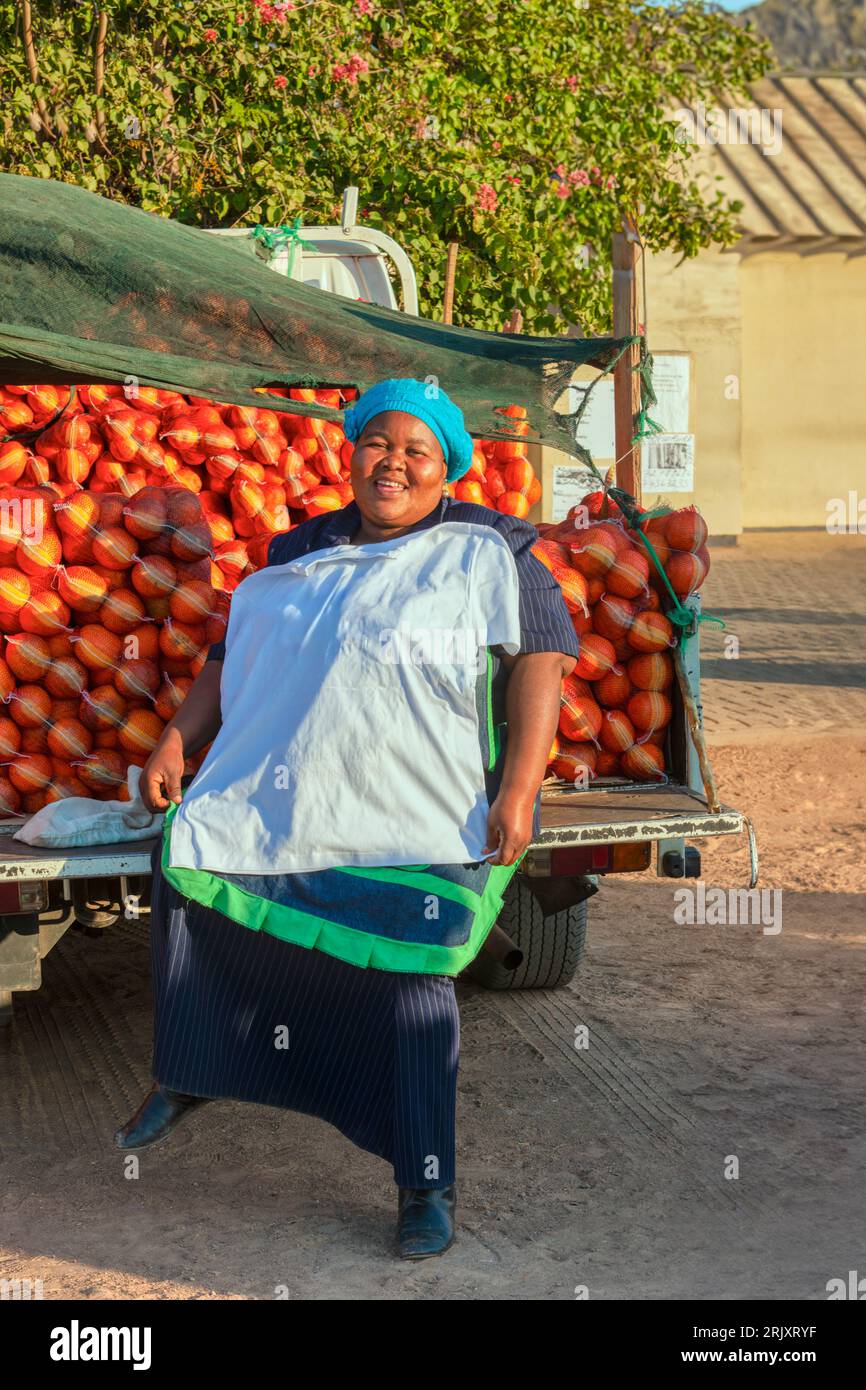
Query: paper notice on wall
[[571, 483], [671, 374], [596, 430], [668, 463]]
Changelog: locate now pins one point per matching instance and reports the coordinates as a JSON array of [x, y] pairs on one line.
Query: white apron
[[350, 730]]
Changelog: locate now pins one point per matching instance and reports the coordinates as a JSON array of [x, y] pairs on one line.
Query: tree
[[522, 131]]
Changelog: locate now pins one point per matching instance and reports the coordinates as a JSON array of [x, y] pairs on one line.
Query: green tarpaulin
[[91, 291]]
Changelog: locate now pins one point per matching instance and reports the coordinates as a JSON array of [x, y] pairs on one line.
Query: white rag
[[82, 820]]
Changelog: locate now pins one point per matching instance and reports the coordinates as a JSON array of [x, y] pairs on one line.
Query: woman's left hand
[[509, 827]]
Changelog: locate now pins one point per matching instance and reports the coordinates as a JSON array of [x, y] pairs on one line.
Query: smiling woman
[[342, 852]]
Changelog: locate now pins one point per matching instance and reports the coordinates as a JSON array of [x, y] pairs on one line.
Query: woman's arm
[[196, 723], [532, 712]]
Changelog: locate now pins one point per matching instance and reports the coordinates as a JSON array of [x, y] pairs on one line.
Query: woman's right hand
[[161, 774]]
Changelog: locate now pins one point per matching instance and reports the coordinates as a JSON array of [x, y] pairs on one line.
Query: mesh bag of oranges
[[617, 704]]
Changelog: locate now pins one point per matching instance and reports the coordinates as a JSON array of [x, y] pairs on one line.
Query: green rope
[[275, 238], [683, 618]]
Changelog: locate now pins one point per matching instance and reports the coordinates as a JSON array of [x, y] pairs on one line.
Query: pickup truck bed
[[601, 815]]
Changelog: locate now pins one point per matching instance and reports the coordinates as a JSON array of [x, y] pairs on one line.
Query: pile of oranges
[[127, 518], [500, 475], [617, 703]]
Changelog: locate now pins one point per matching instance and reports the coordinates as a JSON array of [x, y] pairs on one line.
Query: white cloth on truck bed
[[82, 820]]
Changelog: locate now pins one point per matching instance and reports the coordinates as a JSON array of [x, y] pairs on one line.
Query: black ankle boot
[[425, 1221], [160, 1111]]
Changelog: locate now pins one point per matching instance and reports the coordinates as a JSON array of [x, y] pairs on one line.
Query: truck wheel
[[552, 946]]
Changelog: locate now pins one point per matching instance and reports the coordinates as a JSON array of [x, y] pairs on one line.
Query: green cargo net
[[94, 291]]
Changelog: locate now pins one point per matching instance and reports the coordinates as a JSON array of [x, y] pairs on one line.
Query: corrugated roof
[[808, 186]]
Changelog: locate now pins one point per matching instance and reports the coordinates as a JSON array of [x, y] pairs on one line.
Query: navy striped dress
[[241, 1014]]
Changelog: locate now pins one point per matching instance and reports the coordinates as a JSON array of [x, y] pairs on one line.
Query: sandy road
[[603, 1167]]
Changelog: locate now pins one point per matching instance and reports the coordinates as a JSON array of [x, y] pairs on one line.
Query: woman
[[304, 948]]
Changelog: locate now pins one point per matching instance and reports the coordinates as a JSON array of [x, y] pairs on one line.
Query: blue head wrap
[[428, 403]]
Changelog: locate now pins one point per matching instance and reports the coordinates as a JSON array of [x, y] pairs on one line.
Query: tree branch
[[33, 66]]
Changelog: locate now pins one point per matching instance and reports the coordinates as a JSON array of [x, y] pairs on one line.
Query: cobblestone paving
[[797, 605]]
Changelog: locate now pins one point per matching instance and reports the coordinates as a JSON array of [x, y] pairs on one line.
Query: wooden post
[[450, 272], [626, 382]]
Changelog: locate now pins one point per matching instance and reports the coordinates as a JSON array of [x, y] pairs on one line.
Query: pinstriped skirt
[[242, 1015]]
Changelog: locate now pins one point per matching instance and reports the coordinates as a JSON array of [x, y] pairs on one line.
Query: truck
[[588, 833]]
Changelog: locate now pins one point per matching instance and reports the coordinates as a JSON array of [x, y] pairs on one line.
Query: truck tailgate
[[22, 862], [601, 815]]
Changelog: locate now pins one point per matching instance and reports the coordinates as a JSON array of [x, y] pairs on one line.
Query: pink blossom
[[209, 35], [561, 190], [610, 182], [496, 146], [486, 199], [281, 82], [349, 71], [311, 71], [595, 173], [508, 97], [364, 6], [512, 178], [571, 82], [579, 177], [560, 170]]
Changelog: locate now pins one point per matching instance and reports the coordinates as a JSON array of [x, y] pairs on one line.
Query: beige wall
[[804, 385], [695, 308]]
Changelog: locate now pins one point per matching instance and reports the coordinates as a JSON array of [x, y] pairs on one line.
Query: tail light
[[17, 898]]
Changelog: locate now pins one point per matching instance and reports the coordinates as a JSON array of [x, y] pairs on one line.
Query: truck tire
[[552, 946]]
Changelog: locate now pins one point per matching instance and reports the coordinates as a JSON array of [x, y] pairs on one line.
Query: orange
[[171, 695], [597, 656], [595, 548], [651, 632], [114, 548], [146, 514], [686, 572], [137, 679], [10, 798], [192, 601], [103, 707], [68, 738], [321, 500], [143, 641], [121, 611], [31, 772], [97, 647], [519, 475], [655, 671], [63, 787], [607, 765], [153, 576], [579, 719], [513, 504], [44, 613], [78, 515], [13, 461], [140, 731], [685, 529], [102, 770], [191, 542], [180, 641], [81, 587], [645, 762], [30, 706], [576, 762], [35, 740], [628, 574], [10, 737], [28, 656], [617, 731], [14, 590], [649, 711], [612, 617]]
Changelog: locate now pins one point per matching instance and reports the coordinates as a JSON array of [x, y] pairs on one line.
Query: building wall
[[695, 308], [804, 385]]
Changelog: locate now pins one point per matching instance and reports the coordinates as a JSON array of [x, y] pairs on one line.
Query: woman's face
[[398, 469]]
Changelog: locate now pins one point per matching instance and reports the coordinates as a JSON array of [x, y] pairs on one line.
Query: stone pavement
[[797, 604]]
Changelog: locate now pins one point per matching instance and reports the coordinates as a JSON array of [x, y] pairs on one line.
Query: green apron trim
[[360, 948], [425, 883]]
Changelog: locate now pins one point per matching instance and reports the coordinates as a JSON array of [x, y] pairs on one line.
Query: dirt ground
[[603, 1167]]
